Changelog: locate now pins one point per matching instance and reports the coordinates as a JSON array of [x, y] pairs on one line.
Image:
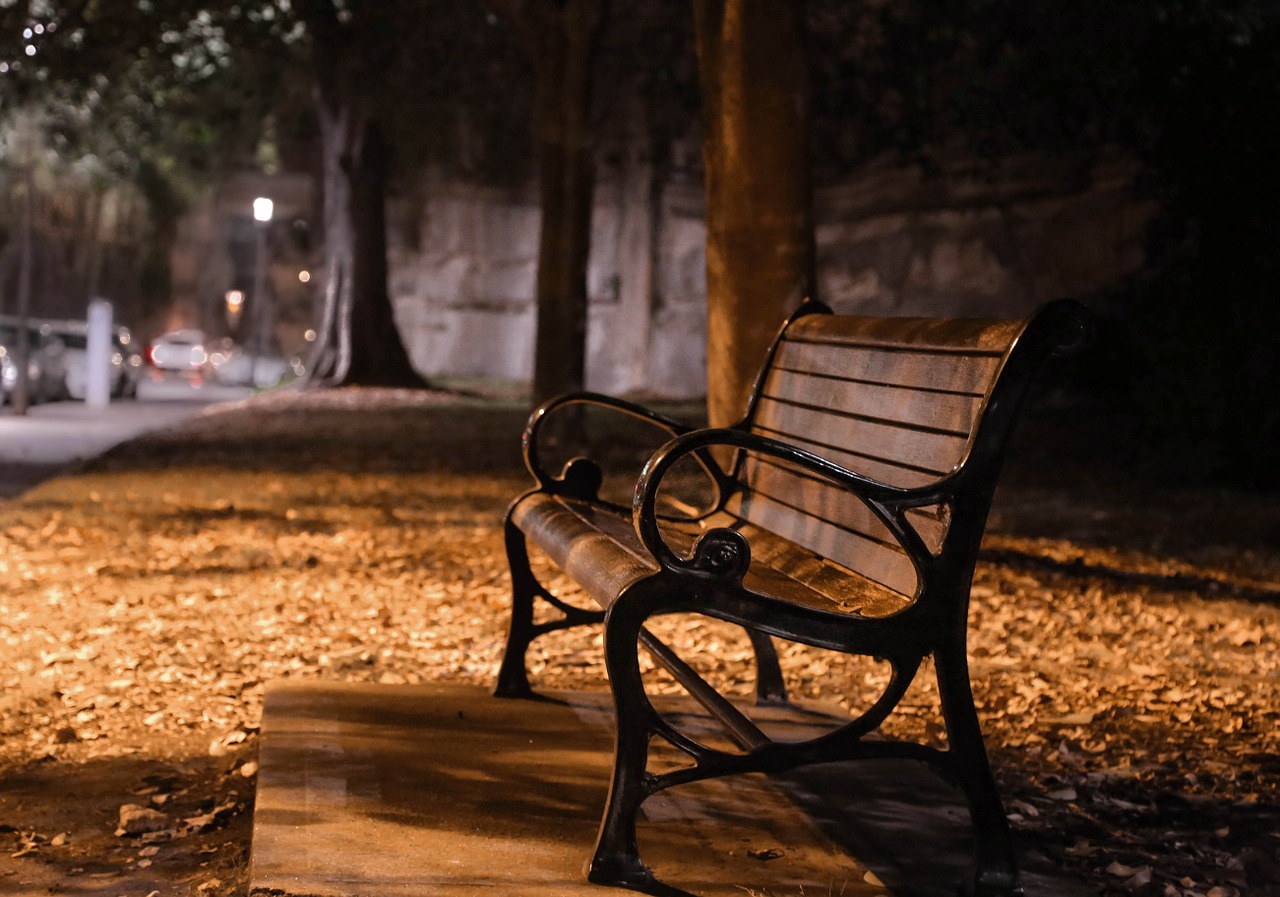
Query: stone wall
[[969, 240], [978, 240]]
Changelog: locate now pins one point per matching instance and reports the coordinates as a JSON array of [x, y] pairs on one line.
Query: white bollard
[[97, 355]]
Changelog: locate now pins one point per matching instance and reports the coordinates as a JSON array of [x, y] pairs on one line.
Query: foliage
[[446, 78], [1186, 87], [646, 49], [128, 79], [146, 98]]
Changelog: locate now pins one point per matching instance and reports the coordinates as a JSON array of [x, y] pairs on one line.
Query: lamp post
[[262, 210]]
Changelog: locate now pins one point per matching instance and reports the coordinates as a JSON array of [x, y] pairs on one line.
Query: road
[[52, 437]]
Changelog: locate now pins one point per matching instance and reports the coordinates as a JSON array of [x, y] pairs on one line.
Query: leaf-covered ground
[[1123, 642]]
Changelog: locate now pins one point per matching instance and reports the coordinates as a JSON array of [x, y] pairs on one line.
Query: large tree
[[391, 80], [350, 47], [760, 240], [561, 37]]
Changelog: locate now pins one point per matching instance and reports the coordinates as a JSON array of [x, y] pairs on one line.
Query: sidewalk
[[51, 437], [398, 791]]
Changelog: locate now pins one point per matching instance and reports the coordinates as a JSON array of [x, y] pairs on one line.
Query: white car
[[180, 352]]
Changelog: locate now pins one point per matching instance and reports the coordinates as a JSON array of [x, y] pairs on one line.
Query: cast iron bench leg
[[770, 687], [513, 678], [616, 860], [994, 868]]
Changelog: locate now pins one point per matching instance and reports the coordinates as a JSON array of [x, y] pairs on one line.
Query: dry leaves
[[1134, 721]]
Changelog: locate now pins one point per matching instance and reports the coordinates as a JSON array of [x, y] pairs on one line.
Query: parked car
[[179, 352], [46, 362], [125, 364]]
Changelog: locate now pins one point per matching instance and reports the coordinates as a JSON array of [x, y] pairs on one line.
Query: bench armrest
[[723, 552], [579, 467]]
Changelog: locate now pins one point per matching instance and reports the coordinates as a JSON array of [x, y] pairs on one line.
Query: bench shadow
[[907, 825]]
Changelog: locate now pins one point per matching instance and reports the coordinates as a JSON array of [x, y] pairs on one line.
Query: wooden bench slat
[[817, 497], [600, 551], [948, 412], [811, 497], [875, 559], [879, 469], [956, 373], [934, 452], [935, 335], [841, 588]]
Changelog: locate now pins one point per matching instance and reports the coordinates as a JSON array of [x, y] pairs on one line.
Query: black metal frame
[[710, 582]]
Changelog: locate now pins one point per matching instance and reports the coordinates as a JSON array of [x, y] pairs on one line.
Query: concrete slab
[[395, 791], [50, 438]]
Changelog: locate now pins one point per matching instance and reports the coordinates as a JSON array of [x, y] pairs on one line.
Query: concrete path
[[52, 437], [408, 791]]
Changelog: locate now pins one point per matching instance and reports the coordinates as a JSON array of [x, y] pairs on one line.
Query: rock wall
[[968, 240], [977, 240]]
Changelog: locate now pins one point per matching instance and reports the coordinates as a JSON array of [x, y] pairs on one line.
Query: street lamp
[[235, 304], [262, 209]]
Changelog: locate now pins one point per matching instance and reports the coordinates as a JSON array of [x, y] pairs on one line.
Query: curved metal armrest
[[725, 553], [552, 482]]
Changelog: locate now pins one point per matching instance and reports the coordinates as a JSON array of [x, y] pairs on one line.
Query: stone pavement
[[404, 790]]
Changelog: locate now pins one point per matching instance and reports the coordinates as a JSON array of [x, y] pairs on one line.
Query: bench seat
[[596, 545]]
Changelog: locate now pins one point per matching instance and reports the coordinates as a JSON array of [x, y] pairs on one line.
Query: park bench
[[851, 501]]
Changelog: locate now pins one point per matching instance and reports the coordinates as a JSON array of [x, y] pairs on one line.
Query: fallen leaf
[[222, 745], [136, 820], [1083, 718], [1120, 870], [1139, 879]]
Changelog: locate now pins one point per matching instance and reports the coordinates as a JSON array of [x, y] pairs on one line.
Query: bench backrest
[[899, 400]]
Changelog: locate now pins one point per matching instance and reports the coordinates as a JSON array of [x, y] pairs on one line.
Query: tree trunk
[[760, 243], [563, 34], [357, 342]]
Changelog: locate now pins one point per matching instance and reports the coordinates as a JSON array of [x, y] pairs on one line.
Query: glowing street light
[[235, 304]]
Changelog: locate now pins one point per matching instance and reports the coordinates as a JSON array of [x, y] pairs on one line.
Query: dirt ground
[[1123, 640]]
